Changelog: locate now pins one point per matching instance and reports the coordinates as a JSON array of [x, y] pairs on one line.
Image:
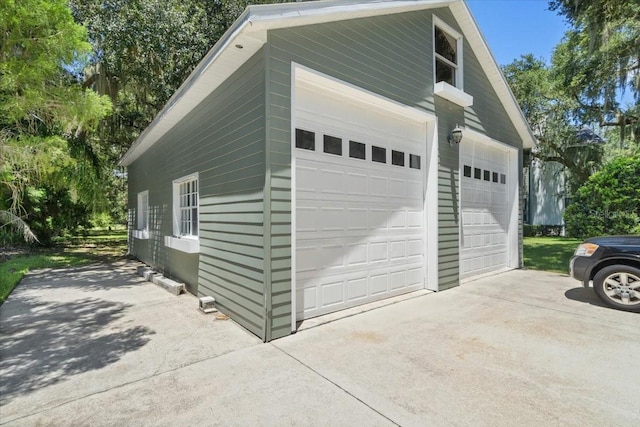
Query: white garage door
[[485, 214], [359, 198]]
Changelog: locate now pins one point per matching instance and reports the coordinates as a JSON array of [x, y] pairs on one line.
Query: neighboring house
[[545, 186], [309, 163], [545, 195]]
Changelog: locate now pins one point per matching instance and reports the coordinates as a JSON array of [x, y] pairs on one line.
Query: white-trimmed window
[[142, 220], [447, 47], [185, 215], [185, 201], [447, 64], [143, 210]]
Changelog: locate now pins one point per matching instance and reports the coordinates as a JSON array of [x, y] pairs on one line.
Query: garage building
[[329, 154]]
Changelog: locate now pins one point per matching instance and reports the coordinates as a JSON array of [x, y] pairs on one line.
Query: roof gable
[[249, 34]]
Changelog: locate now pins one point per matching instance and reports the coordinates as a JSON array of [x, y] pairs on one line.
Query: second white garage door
[[359, 195], [484, 230]]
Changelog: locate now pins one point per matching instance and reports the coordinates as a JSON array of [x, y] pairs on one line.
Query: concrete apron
[[101, 347]]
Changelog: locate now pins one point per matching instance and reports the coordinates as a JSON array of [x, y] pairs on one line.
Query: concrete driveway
[[99, 346]]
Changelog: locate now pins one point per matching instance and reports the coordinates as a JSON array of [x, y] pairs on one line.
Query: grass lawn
[[549, 253], [95, 246]]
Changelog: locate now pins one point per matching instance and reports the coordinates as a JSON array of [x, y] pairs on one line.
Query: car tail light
[[586, 249]]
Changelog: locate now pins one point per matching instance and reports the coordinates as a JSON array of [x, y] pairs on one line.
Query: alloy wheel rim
[[623, 288]]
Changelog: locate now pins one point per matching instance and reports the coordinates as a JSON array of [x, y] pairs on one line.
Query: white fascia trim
[[183, 244], [453, 94], [317, 12], [330, 84]]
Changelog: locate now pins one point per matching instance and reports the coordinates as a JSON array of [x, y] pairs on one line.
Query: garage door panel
[[398, 189], [378, 186], [357, 255], [356, 289], [332, 293], [331, 181], [357, 184], [398, 250], [307, 258], [398, 280], [398, 219], [355, 219], [379, 284], [377, 219], [331, 219], [332, 256]]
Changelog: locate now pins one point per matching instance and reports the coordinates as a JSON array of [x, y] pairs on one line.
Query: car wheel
[[619, 287]]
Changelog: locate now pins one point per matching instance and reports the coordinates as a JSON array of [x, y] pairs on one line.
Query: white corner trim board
[[455, 95], [190, 246]]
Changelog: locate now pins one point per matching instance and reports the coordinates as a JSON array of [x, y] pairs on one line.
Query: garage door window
[[305, 139], [332, 145], [397, 158], [414, 161], [495, 176], [379, 154], [467, 171], [487, 175], [477, 173], [357, 150], [503, 179]]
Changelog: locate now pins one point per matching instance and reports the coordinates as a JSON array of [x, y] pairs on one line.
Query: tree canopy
[[593, 73], [46, 116], [598, 61]]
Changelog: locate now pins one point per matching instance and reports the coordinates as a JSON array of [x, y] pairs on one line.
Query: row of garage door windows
[[487, 175], [306, 140]]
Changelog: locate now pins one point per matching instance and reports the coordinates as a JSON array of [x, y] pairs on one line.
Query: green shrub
[[608, 203]]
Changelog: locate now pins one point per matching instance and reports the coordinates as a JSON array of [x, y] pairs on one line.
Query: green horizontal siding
[[222, 139]]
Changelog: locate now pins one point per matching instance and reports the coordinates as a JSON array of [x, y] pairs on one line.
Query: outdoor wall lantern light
[[455, 136]]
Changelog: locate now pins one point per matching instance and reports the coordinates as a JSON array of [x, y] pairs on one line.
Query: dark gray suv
[[613, 264]]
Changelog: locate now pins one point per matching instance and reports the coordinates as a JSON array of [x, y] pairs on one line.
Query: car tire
[[618, 286]]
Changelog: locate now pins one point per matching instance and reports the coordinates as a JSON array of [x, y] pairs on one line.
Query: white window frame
[[185, 242], [142, 220], [455, 93]]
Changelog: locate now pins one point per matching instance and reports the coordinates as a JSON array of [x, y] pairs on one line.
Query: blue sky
[[515, 27]]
